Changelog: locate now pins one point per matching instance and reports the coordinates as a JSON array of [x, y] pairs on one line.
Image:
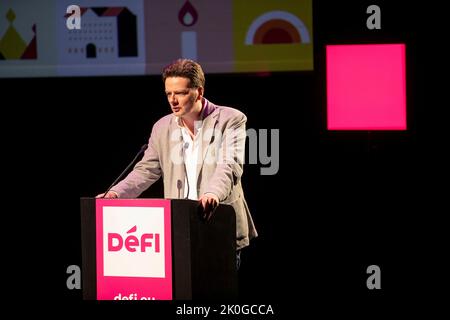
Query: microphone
[[185, 146], [143, 148], [179, 186]]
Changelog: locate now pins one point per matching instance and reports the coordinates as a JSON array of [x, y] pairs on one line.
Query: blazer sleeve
[[146, 172], [229, 167]]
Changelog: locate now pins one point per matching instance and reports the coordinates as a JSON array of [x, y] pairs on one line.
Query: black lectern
[[203, 252]]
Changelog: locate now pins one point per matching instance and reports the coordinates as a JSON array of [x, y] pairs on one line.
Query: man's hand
[[208, 203], [109, 195]]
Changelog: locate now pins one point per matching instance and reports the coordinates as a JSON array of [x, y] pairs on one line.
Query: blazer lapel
[[176, 145], [209, 124]]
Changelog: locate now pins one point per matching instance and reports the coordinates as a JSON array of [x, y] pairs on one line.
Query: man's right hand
[[109, 195]]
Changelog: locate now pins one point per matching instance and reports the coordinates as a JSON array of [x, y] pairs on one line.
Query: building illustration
[[110, 41], [106, 32]]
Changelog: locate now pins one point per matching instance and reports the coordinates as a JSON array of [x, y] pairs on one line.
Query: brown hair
[[185, 68]]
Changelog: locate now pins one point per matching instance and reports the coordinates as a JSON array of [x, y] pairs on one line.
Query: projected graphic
[[27, 38], [272, 35], [188, 16], [111, 28], [199, 30], [128, 37], [277, 27], [13, 46], [108, 41]]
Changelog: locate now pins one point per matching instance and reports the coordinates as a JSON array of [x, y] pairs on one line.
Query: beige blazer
[[219, 169]]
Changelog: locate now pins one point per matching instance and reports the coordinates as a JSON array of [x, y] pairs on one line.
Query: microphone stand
[[143, 148]]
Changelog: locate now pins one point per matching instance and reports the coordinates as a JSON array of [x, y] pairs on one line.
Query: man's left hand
[[209, 203]]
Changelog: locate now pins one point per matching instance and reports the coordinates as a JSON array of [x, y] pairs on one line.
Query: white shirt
[[191, 150], [191, 156]]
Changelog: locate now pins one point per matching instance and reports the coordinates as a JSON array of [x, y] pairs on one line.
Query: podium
[[164, 243]]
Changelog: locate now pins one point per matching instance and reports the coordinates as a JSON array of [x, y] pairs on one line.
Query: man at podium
[[198, 149]]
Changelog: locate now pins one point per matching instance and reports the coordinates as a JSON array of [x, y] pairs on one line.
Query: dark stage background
[[341, 201]]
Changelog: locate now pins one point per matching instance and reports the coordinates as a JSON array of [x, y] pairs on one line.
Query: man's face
[[182, 99]]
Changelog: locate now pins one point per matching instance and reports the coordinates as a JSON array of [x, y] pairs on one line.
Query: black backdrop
[[341, 201]]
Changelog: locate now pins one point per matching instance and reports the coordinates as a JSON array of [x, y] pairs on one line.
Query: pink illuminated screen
[[366, 87]]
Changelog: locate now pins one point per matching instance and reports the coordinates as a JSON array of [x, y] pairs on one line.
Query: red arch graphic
[[276, 31]]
